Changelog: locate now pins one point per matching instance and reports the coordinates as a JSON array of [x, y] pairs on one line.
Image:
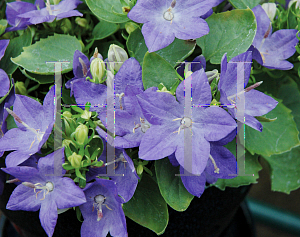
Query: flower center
[[99, 200], [168, 15], [44, 188], [143, 125], [185, 122]]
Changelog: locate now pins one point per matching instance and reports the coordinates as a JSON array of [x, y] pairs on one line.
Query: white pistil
[[37, 132], [48, 6], [185, 122], [99, 200], [230, 98], [168, 15], [217, 170], [263, 41], [143, 125], [45, 189], [120, 96]]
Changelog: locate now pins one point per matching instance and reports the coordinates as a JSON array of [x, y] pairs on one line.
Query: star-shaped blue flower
[[35, 123], [14, 9], [47, 14], [42, 191], [102, 212], [256, 102], [271, 50], [123, 164], [166, 19], [169, 124]]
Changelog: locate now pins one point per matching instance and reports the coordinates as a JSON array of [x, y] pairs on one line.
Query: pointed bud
[[96, 55], [211, 75], [3, 25], [75, 160], [86, 115], [98, 71], [20, 88], [139, 169], [117, 55], [81, 22], [67, 142], [67, 114], [66, 25], [270, 9], [81, 134]]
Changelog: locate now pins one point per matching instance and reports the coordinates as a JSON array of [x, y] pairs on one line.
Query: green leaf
[[41, 79], [290, 96], [277, 137], [3, 25], [104, 29], [14, 48], [231, 32], [285, 174], [157, 70], [252, 166], [147, 207], [243, 4], [52, 49], [174, 53], [171, 186], [108, 10]]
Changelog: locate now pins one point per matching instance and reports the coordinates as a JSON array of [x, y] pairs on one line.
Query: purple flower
[[126, 184], [102, 212], [130, 73], [271, 50], [41, 190], [14, 9], [81, 69], [221, 165], [4, 80], [169, 122], [35, 123], [165, 20], [256, 102], [47, 14]]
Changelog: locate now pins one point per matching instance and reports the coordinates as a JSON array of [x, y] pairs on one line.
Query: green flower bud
[[67, 142], [67, 114], [86, 115], [81, 134], [66, 25], [118, 55], [211, 75], [3, 25], [139, 169], [75, 160], [81, 22], [20, 88], [130, 27], [98, 70]]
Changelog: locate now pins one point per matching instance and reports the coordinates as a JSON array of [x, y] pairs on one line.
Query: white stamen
[[217, 170]]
